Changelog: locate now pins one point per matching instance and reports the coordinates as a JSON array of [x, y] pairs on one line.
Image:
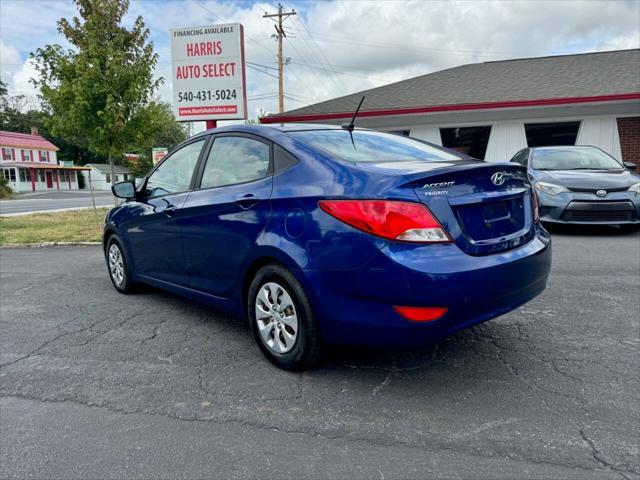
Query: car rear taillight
[[534, 206], [421, 314], [390, 219]]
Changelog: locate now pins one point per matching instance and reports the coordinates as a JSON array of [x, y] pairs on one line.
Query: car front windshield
[[368, 146], [573, 159]]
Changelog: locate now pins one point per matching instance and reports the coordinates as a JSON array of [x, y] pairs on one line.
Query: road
[[99, 385], [38, 202]]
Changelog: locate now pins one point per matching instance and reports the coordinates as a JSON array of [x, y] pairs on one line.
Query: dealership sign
[[208, 73], [158, 153]]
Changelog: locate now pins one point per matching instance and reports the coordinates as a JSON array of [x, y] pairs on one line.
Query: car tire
[[282, 320], [118, 267]]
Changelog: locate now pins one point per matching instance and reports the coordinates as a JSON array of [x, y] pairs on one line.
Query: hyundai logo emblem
[[601, 193], [498, 178]]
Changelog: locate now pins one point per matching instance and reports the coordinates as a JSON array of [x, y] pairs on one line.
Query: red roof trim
[[25, 140], [456, 107], [40, 166]]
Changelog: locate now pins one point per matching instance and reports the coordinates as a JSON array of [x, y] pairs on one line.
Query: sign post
[[208, 73]]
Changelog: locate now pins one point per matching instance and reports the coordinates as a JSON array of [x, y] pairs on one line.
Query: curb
[[50, 244], [53, 210]]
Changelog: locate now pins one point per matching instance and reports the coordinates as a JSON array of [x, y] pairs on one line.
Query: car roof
[[554, 147], [260, 128]]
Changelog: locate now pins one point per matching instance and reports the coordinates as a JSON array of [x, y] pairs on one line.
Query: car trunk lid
[[485, 207]]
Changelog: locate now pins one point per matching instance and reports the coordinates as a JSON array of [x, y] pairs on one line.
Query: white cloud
[[16, 73], [21, 82], [340, 47]]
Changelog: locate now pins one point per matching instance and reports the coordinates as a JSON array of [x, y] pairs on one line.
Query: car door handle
[[247, 201], [170, 210]]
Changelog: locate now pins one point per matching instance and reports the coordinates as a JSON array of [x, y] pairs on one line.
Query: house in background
[[491, 110], [29, 163], [100, 175]]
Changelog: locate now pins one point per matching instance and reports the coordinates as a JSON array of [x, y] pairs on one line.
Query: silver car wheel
[[116, 264], [276, 317]]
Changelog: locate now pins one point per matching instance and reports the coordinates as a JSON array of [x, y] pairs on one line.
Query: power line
[[331, 38], [261, 66], [249, 37], [296, 100], [262, 71], [303, 61], [382, 80], [322, 55]]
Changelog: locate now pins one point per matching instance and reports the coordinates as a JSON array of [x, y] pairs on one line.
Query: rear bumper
[[618, 208], [356, 306]]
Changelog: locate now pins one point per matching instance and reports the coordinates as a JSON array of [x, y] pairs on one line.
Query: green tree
[[5, 189], [14, 119], [169, 133], [101, 88]]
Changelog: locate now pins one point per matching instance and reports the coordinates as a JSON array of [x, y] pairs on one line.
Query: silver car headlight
[[550, 188], [635, 188]]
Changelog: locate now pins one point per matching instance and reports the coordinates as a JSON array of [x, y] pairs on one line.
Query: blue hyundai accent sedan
[[322, 235]]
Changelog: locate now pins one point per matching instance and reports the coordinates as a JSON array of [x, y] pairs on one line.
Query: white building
[[29, 163], [492, 110], [100, 174]]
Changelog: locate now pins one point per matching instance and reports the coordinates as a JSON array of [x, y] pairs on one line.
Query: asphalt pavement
[[95, 384], [46, 201]]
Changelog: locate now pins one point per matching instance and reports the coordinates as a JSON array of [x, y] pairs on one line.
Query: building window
[[43, 156], [108, 177], [25, 175], [551, 134], [41, 175], [7, 154], [9, 174], [471, 141], [26, 155]]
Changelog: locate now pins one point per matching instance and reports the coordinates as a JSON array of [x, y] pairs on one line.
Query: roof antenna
[[351, 126]]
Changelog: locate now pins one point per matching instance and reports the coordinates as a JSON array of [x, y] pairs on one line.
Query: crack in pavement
[[72, 332], [320, 435], [483, 336]]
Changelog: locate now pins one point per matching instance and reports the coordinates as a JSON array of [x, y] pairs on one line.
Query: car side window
[[174, 174], [282, 159], [235, 160], [521, 157]]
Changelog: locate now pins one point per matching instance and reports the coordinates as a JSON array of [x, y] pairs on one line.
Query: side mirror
[[126, 190], [630, 165]]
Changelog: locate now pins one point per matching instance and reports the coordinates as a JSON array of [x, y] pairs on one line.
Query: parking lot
[[99, 385]]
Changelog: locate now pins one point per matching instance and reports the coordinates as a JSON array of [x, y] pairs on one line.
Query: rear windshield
[[370, 146], [573, 159]]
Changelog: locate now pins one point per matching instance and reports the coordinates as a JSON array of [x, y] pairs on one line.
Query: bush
[[5, 189]]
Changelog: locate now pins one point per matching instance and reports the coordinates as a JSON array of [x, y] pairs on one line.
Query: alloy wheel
[[276, 317], [116, 264]]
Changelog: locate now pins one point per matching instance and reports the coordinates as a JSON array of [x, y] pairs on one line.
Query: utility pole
[[282, 16]]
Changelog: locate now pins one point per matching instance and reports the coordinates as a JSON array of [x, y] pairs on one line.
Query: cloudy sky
[[339, 47]]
